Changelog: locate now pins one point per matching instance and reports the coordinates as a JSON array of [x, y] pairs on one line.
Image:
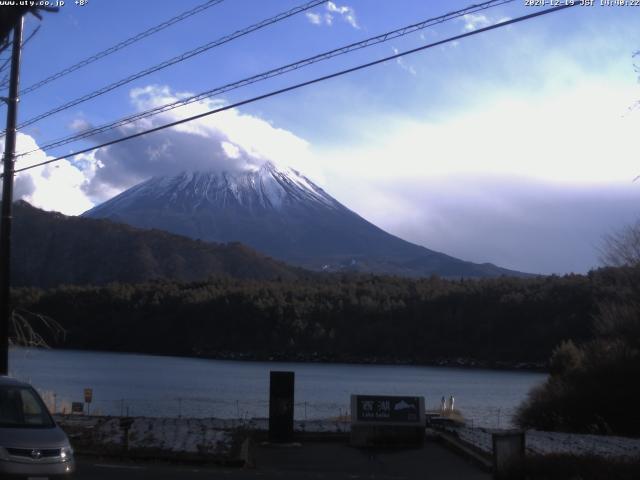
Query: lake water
[[173, 386]]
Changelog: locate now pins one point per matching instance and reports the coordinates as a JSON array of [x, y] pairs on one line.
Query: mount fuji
[[283, 214]]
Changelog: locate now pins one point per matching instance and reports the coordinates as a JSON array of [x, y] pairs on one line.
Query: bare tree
[[622, 248], [28, 329]]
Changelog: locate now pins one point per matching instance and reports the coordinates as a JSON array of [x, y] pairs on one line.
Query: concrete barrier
[[508, 453]]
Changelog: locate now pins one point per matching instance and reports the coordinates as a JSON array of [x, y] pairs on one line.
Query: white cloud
[[516, 223], [232, 151], [56, 186], [403, 64], [347, 13], [79, 124], [226, 141], [314, 18], [530, 182], [576, 136], [158, 152], [473, 21]]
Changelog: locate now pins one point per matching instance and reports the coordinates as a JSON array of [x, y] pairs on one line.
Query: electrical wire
[[304, 84], [7, 62], [174, 60], [270, 74], [125, 43]]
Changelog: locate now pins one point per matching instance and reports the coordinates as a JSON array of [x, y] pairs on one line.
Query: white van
[[31, 444]]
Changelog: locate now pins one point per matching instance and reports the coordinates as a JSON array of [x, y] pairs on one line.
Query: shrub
[[593, 388], [565, 358]]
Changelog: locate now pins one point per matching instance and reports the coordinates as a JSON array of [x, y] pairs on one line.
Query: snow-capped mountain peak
[[281, 213], [265, 188]]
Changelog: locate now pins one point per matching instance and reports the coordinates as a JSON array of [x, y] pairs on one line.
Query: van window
[[22, 407]]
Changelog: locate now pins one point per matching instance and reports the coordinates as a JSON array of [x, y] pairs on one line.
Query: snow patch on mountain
[[265, 188]]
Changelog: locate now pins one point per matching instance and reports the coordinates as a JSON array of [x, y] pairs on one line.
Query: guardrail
[[178, 407]]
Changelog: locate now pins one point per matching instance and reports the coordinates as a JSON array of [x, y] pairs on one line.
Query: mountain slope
[[50, 249], [280, 213]]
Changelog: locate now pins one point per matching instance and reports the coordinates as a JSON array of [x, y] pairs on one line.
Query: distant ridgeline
[[356, 318], [51, 249]]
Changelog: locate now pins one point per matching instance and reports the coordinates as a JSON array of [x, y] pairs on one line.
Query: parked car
[[31, 444]]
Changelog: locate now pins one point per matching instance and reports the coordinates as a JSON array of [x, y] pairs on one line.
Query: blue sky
[[514, 146]]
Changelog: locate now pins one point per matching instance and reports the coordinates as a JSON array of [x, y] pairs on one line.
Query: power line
[[125, 43], [5, 82], [304, 84], [3, 67], [271, 73], [174, 60], [5, 45]]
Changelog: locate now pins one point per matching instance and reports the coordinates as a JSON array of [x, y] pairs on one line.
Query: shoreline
[[315, 358]]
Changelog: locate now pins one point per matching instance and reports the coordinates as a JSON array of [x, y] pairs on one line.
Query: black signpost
[[281, 397], [125, 425], [88, 396]]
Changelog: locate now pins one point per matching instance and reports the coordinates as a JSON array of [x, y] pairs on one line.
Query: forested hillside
[[337, 318], [51, 249]]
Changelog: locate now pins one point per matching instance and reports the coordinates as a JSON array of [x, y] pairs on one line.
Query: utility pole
[[7, 198]]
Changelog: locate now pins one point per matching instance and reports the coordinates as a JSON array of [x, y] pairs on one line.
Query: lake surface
[[173, 386]]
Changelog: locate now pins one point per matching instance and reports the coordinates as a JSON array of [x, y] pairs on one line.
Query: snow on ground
[[211, 436], [606, 446], [322, 426], [553, 442], [214, 436], [177, 435], [302, 426]]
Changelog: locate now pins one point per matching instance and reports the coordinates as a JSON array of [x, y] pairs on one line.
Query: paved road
[[308, 461], [94, 469]]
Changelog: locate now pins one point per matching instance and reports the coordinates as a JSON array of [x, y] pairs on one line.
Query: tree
[[622, 248], [592, 384]]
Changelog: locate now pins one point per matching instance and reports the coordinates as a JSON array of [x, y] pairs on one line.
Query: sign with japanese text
[[387, 409]]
